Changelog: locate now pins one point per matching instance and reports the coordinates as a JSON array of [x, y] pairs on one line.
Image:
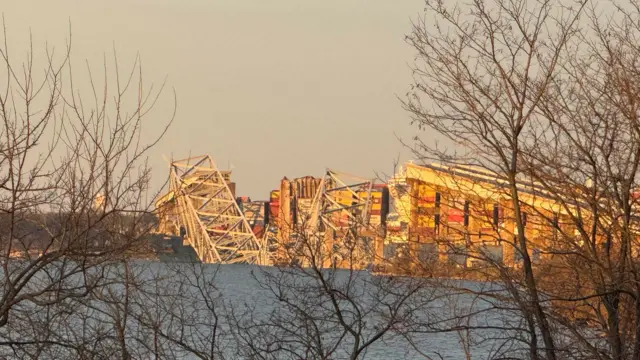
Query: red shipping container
[[258, 230], [427, 200], [274, 210], [455, 216]]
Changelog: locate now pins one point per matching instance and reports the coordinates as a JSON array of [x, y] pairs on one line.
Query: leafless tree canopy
[[73, 194], [545, 92], [541, 93]]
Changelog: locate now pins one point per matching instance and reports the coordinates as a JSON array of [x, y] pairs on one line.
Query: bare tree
[[314, 310], [73, 188], [541, 98], [480, 77], [183, 313], [590, 164]]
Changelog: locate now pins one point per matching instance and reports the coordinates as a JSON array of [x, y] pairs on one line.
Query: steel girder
[[337, 223], [207, 211], [342, 201]]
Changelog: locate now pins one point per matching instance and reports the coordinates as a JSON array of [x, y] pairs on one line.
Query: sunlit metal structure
[[338, 219], [200, 206], [341, 202]]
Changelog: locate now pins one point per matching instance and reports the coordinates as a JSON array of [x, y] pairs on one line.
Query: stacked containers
[[379, 205], [490, 220], [455, 215], [427, 208], [345, 198], [274, 206], [376, 208]]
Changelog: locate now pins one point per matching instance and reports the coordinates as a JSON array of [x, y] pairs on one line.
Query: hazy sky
[[282, 87]]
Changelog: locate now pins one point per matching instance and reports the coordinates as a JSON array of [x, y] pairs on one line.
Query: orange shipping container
[[426, 196]]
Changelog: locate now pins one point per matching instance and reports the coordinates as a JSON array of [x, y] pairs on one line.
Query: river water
[[242, 305], [242, 287]]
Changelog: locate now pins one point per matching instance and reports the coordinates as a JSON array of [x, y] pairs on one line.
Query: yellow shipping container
[[424, 190], [426, 196], [343, 197], [426, 221]]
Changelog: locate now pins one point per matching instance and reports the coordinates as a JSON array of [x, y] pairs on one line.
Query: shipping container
[[426, 221], [274, 211], [376, 200], [394, 226], [344, 197], [375, 220], [258, 230], [360, 198], [426, 195], [455, 216], [380, 187]]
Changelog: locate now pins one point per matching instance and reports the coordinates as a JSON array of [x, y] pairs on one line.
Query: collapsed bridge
[[200, 206]]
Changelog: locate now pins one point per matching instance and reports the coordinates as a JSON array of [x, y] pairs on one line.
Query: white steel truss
[[206, 210], [330, 210], [338, 221]]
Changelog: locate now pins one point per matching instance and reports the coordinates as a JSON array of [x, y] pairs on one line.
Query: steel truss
[[204, 207], [339, 217], [329, 208]]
